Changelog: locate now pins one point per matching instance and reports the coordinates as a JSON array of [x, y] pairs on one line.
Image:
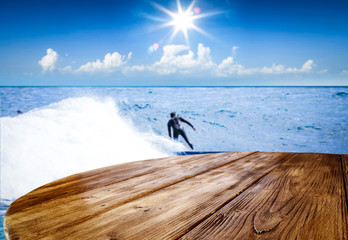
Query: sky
[[174, 43]]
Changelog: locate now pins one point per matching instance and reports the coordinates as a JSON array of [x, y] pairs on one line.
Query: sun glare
[[183, 20]]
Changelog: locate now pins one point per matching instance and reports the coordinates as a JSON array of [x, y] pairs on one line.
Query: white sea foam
[[74, 135]]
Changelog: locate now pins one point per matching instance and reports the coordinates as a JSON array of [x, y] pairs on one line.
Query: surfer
[[174, 123]]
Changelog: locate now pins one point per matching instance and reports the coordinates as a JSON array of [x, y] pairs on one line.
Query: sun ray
[[201, 31], [178, 3], [186, 37], [173, 34], [210, 14], [189, 9], [163, 9]]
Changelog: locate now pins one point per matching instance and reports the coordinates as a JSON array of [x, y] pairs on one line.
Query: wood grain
[[251, 195], [103, 212], [344, 159], [75, 199], [168, 213], [121, 178], [303, 198], [86, 181]]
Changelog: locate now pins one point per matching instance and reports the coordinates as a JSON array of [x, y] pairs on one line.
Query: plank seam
[[227, 201], [153, 191]]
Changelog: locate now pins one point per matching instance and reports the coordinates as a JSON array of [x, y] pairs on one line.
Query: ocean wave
[[73, 135], [341, 94]]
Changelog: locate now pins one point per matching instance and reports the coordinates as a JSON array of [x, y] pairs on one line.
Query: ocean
[[65, 130]]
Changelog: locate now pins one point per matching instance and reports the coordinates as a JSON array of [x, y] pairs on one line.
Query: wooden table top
[[246, 195]]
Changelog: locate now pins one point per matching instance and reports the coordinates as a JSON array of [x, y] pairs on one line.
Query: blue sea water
[[67, 130]]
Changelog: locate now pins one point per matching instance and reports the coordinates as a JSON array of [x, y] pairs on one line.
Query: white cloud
[[307, 66], [66, 69], [280, 69], [179, 60], [110, 63], [48, 62], [173, 61], [133, 69], [204, 58], [344, 72], [274, 69], [234, 50], [229, 67], [322, 71]]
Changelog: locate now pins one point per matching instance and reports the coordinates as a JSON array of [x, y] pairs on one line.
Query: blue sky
[[122, 43]]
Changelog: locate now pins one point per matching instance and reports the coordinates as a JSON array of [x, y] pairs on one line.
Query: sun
[[183, 20]]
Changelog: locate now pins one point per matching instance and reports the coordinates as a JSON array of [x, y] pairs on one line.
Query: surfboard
[[197, 152]]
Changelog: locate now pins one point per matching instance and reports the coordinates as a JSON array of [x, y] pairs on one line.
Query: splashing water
[[74, 135]]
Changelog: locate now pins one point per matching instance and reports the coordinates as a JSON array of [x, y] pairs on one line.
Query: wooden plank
[[85, 182], [344, 158], [103, 189], [166, 213], [300, 199]]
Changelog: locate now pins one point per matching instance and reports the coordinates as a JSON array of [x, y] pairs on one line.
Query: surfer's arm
[[187, 122]]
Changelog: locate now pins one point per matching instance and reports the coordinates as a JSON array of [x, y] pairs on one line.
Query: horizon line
[[174, 86]]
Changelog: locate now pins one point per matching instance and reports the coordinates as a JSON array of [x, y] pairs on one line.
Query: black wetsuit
[[177, 129]]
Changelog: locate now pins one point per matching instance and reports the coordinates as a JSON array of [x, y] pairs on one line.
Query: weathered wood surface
[[250, 195], [300, 199], [345, 173]]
